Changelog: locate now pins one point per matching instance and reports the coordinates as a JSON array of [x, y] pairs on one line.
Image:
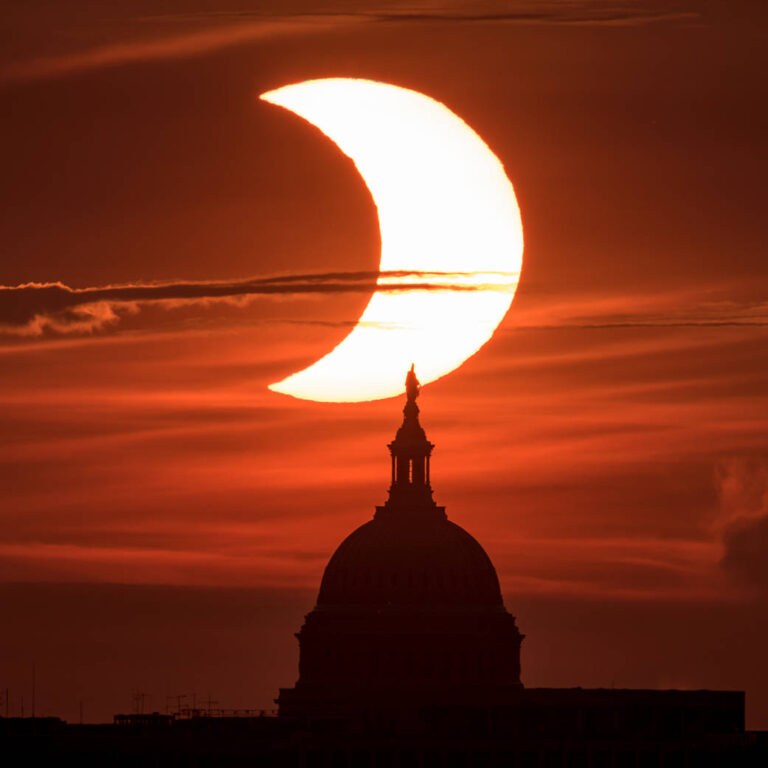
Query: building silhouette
[[409, 609], [409, 659]]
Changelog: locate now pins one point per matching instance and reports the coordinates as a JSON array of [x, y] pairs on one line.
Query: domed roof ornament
[[411, 410], [410, 451], [412, 385]]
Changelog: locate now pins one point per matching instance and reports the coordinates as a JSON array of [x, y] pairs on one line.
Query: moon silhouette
[[445, 207]]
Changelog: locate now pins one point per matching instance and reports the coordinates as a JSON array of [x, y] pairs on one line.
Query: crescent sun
[[445, 207]]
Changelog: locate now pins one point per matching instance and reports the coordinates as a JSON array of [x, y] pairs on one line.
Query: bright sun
[[445, 205]]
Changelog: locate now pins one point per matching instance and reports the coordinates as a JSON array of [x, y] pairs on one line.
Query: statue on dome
[[412, 386]]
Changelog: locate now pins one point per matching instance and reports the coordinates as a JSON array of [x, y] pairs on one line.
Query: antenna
[[138, 701], [178, 699], [208, 704]]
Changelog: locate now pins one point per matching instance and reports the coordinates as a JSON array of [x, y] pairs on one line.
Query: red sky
[[166, 519]]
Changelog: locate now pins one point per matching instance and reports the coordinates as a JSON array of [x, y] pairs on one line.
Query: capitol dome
[[401, 559], [409, 608]]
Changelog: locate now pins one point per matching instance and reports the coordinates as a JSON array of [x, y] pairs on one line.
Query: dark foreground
[[540, 728]]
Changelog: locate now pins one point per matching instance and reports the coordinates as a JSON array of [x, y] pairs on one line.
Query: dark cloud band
[[31, 308]]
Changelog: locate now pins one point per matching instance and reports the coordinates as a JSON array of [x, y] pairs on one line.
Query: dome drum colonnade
[[409, 608]]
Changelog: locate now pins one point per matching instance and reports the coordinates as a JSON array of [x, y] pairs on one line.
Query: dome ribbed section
[[421, 559]]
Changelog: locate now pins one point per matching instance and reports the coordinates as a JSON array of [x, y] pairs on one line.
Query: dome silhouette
[[409, 608], [398, 559]]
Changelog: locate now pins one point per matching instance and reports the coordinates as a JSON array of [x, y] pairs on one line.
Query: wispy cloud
[[37, 309], [692, 307], [227, 29], [176, 46], [580, 13], [31, 309], [743, 490]]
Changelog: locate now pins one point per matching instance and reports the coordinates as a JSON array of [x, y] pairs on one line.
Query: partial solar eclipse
[[445, 205]]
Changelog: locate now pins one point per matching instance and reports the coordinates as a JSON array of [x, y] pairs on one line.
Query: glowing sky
[[607, 446]]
